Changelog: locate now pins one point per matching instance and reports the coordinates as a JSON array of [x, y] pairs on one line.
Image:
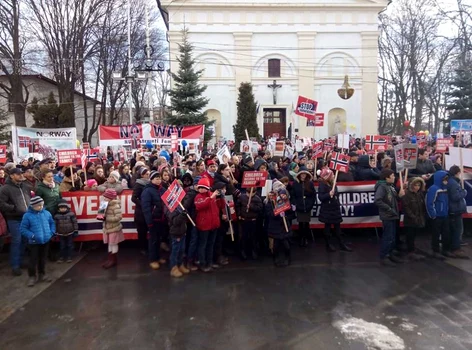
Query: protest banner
[[3, 153], [69, 157], [223, 154], [125, 135], [43, 141], [306, 107], [399, 160], [279, 148], [253, 179], [328, 145], [442, 145], [317, 150], [375, 142], [460, 125], [410, 155], [318, 121]]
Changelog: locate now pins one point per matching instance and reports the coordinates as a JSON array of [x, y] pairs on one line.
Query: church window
[[274, 68]]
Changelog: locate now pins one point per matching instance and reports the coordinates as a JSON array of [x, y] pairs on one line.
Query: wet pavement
[[322, 301]]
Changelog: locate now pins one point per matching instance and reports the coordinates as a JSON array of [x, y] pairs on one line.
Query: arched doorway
[[215, 115], [336, 121]]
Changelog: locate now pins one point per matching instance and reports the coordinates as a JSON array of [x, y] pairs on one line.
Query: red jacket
[[209, 177], [208, 212]]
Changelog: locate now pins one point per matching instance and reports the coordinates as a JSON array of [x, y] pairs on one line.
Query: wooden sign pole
[[249, 201], [188, 216], [335, 179]]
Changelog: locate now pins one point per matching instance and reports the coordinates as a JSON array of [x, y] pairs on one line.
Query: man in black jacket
[[14, 202]]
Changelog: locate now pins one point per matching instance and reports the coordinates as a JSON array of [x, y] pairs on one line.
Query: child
[[67, 228], [208, 221], [177, 229], [113, 182], [437, 206], [112, 228], [91, 185], [414, 214], [38, 227], [248, 214]]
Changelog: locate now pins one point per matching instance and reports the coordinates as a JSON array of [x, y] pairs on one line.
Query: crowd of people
[[31, 204]]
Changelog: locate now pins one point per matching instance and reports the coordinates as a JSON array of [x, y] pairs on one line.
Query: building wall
[[318, 43], [41, 89]]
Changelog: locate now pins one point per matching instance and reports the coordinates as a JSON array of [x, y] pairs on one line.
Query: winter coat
[[127, 178], [14, 200], [136, 198], [457, 194], [364, 172], [208, 211], [330, 211], [301, 198], [50, 196], [67, 186], [115, 186], [189, 202], [437, 199], [177, 222], [210, 178], [152, 204], [275, 224], [112, 228], [37, 227], [219, 178], [66, 223], [423, 167], [413, 205], [255, 208], [386, 199]]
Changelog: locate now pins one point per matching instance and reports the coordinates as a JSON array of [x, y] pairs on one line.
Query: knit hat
[[196, 180], [292, 166], [210, 162], [116, 175], [219, 185], [204, 183], [90, 183], [277, 185], [63, 203], [143, 171], [326, 173], [110, 193], [154, 174], [139, 163], [36, 200]]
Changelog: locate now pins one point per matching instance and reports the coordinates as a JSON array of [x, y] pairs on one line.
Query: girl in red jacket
[[208, 222]]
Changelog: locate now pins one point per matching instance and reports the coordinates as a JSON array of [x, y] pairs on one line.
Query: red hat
[[110, 193], [204, 182], [210, 162]]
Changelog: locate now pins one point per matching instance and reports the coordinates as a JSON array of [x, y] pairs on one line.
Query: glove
[[282, 214], [184, 212], [294, 208]]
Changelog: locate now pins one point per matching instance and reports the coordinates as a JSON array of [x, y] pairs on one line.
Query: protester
[[125, 175], [139, 219], [113, 182], [66, 228], [48, 190], [112, 228], [71, 181], [99, 175], [303, 199], [177, 229]]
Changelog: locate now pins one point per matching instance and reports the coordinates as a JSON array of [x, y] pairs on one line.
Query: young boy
[[177, 229], [208, 221], [38, 227], [248, 214], [67, 228], [437, 206]]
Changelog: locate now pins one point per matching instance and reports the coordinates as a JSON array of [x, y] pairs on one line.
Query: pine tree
[[51, 114], [460, 97], [247, 115], [186, 97]]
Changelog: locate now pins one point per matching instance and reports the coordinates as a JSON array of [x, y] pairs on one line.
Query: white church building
[[305, 47]]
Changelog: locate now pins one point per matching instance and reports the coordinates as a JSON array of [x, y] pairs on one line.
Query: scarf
[[50, 184]]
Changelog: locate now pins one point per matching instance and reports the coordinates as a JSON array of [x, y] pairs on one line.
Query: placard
[[223, 154], [317, 149], [343, 141], [399, 160], [69, 157], [279, 148], [410, 155], [376, 142], [173, 196], [3, 153], [306, 107], [254, 179], [442, 145], [339, 161], [281, 205]]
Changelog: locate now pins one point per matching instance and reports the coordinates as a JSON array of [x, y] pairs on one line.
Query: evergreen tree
[[460, 97], [186, 97], [51, 114], [5, 126], [247, 115]]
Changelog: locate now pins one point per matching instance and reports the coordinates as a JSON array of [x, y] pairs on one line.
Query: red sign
[[375, 142], [69, 157], [254, 179], [281, 205], [328, 145], [3, 153], [306, 107], [317, 149], [173, 196], [340, 161], [85, 145], [174, 142]]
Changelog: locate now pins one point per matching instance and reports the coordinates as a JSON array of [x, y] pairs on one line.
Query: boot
[[107, 262], [183, 269], [112, 262], [154, 265], [44, 278], [31, 281], [330, 248], [344, 248], [191, 266], [254, 255], [175, 272], [243, 255]]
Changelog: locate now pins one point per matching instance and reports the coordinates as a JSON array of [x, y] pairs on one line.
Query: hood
[[364, 161], [438, 178], [308, 174], [187, 176], [416, 180], [259, 162], [142, 182]]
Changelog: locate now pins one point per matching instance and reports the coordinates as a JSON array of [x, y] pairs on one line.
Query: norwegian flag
[[339, 162], [83, 158], [317, 150], [375, 142], [24, 141]]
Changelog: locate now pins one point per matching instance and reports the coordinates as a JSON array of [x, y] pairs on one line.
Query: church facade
[[285, 49]]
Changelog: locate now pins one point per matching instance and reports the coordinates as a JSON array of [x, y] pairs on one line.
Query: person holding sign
[[248, 208], [177, 220], [71, 181], [303, 199], [330, 212]]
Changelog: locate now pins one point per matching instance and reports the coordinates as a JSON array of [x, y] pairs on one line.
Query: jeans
[[388, 238], [177, 253], [206, 241], [67, 246], [193, 247], [248, 236], [17, 246], [154, 241], [456, 226], [37, 260], [440, 227]]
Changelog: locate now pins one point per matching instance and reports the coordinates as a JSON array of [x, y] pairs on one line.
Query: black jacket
[[330, 211], [255, 208], [275, 224], [364, 172], [14, 200], [414, 207], [136, 198], [386, 200], [302, 199], [177, 222]]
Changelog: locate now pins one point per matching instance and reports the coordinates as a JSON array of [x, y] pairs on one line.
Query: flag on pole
[[339, 162], [375, 143]]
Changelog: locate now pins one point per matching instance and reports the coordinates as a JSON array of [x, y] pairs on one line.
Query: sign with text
[[279, 148], [173, 196], [306, 107], [410, 155], [3, 153], [223, 154], [400, 162], [69, 157], [254, 179], [318, 121], [317, 150], [281, 205], [461, 125], [442, 145]]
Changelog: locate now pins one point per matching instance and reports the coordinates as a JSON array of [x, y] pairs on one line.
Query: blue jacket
[[37, 226], [457, 196], [152, 204], [437, 201]]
